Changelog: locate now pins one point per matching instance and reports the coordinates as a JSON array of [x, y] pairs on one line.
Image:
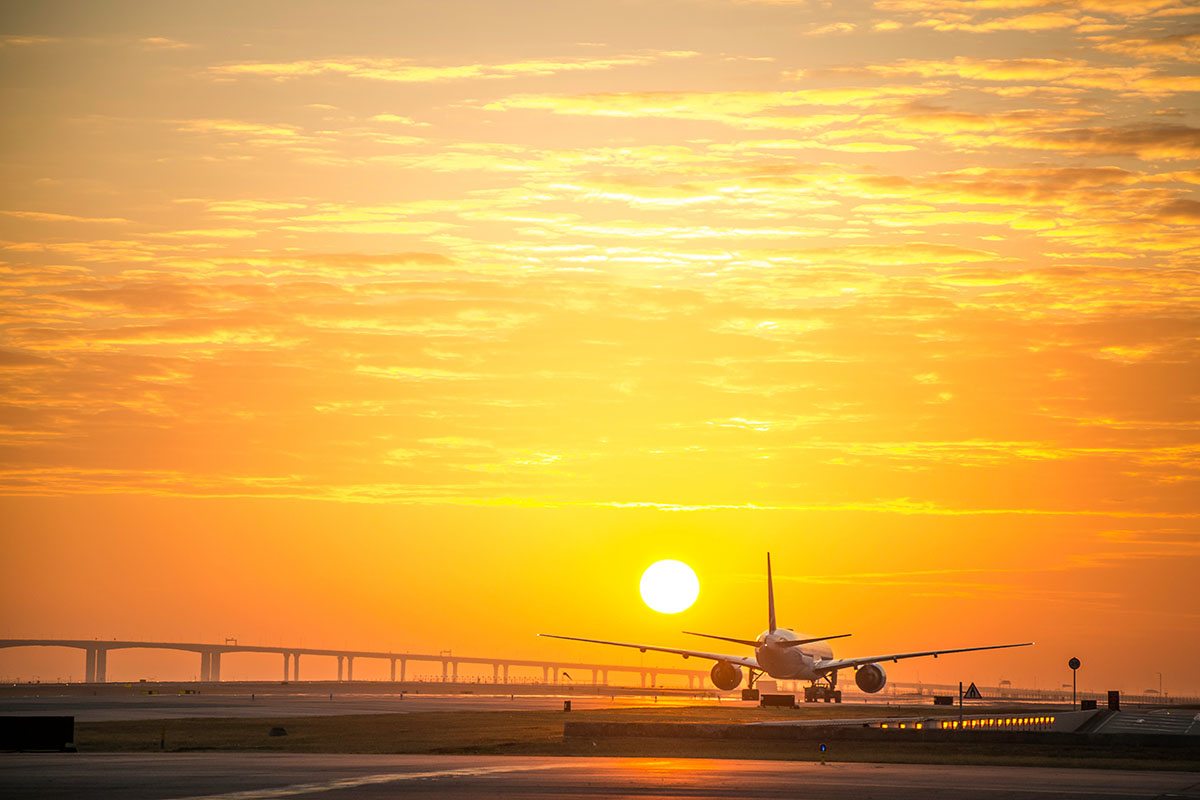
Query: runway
[[251, 776], [168, 702], [109, 708]]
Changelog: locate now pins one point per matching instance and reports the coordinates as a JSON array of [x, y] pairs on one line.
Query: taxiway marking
[[365, 780]]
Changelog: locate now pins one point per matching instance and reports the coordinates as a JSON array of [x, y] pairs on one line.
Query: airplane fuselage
[[789, 663]]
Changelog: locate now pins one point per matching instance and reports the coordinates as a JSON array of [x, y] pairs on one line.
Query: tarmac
[[144, 701], [255, 776], [171, 705]]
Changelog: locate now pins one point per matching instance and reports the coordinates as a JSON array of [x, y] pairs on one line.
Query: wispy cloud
[[403, 70]]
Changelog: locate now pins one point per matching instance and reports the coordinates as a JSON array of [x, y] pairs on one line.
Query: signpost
[[1074, 665], [972, 693]]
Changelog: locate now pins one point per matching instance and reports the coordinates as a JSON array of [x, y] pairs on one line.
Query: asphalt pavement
[[108, 707], [255, 776]]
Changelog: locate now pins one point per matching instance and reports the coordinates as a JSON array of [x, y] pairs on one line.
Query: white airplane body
[[784, 654]]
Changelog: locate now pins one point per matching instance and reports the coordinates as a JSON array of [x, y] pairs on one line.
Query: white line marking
[[365, 780]]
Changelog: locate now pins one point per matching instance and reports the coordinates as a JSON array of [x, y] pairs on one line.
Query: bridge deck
[[93, 647]]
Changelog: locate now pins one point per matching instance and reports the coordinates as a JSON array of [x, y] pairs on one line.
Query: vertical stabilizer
[[770, 598]]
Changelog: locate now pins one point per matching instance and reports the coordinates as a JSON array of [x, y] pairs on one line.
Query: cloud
[[1181, 47], [47, 216], [1046, 21], [832, 28], [742, 109], [28, 41], [1040, 71], [163, 43], [1146, 141], [246, 131], [1182, 211], [1117, 8], [401, 70], [145, 43], [398, 119]]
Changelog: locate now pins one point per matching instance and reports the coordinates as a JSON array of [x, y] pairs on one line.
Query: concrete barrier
[[37, 733]]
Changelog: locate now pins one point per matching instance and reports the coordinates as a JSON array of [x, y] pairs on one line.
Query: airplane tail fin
[[770, 598]]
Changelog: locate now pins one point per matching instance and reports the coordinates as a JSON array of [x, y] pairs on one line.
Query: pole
[[1074, 674], [960, 710]]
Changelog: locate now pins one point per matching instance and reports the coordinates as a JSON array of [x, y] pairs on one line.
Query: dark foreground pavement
[[252, 776]]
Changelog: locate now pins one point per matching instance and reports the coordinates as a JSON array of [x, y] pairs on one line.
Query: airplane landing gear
[[751, 693], [823, 689]]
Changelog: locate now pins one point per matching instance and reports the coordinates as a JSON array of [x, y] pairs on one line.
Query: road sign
[[972, 693], [1074, 663]]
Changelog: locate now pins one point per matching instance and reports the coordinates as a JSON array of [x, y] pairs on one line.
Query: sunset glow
[[428, 326]]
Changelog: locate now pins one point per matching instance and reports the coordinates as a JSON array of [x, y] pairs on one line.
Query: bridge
[[96, 661]]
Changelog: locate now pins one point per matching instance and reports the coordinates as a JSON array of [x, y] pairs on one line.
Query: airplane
[[784, 654]]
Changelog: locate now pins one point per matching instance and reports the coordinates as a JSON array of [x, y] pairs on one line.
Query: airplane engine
[[726, 676], [870, 678]]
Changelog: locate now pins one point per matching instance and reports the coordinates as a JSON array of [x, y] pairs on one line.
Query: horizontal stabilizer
[[798, 642], [747, 642]]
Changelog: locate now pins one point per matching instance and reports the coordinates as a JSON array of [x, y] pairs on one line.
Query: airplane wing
[[841, 663], [739, 660]]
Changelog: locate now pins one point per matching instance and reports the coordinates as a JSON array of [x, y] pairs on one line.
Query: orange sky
[[430, 326]]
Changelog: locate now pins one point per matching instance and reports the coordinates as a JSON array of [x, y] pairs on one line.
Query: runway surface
[[249, 776], [106, 708]]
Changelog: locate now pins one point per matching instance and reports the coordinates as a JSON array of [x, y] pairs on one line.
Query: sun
[[670, 586]]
